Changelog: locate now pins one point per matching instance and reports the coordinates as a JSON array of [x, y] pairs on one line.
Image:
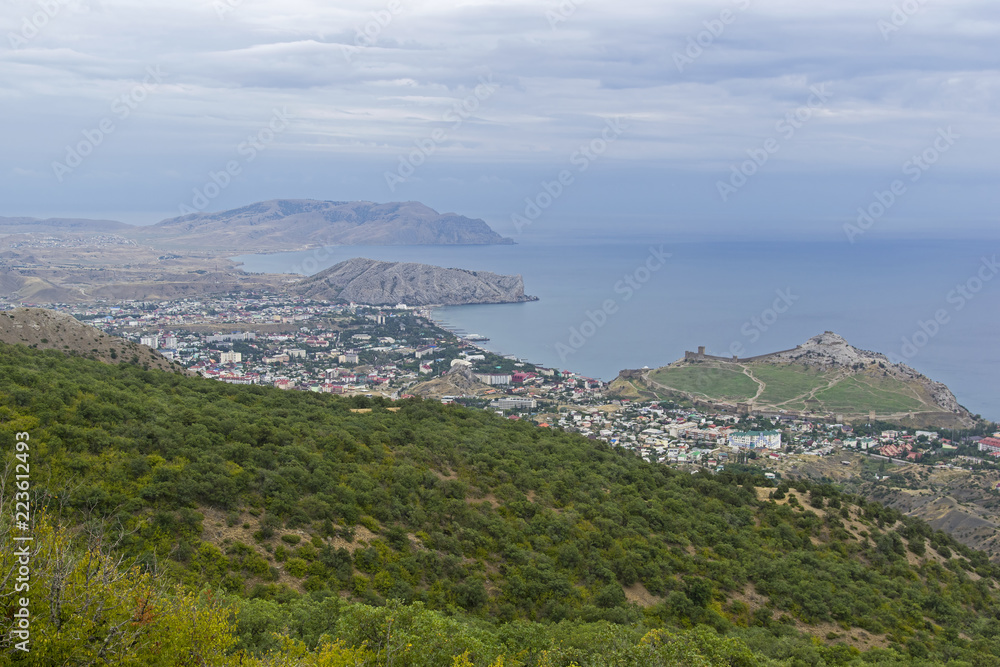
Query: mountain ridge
[[373, 282], [299, 223]]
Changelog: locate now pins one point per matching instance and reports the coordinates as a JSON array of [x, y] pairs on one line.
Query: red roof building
[[989, 445]]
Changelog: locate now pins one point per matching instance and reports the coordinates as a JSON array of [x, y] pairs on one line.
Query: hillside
[[373, 282], [291, 224], [960, 502], [963, 503], [457, 382], [284, 503], [823, 377], [48, 330]]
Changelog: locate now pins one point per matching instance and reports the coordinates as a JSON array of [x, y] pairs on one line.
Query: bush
[[296, 567]]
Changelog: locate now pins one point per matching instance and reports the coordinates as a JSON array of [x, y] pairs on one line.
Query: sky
[[723, 119]]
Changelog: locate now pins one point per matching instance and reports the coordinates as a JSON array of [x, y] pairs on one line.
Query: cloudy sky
[[728, 118]]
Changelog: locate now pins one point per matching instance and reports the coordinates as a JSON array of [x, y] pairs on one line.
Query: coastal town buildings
[[349, 349]]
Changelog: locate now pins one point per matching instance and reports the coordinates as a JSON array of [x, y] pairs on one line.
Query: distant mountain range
[[64, 260], [823, 377], [297, 223], [372, 282], [286, 224]]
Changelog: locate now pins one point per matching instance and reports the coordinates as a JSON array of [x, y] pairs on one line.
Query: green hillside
[[797, 388], [498, 541], [716, 381]]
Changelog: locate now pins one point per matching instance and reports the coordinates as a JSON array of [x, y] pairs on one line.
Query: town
[[400, 352]]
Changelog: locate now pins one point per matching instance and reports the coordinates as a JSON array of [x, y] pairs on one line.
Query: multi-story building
[[755, 439], [493, 379], [990, 445], [514, 404]]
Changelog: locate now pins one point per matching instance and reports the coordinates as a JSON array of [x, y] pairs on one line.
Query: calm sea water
[[622, 303]]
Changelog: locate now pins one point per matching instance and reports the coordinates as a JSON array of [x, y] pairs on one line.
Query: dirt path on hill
[[811, 394], [761, 385]]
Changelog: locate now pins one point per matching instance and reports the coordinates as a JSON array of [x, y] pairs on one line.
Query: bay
[[621, 302]]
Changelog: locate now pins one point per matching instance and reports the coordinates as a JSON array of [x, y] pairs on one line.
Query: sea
[[631, 302]]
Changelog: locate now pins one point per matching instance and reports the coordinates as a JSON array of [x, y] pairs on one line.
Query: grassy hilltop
[[824, 377], [437, 535]]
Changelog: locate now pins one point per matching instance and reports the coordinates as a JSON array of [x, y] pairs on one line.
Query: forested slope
[[285, 503]]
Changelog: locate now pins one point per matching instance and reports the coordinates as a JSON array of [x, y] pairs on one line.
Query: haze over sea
[[931, 304]]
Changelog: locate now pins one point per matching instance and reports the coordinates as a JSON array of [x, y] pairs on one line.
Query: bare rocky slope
[[287, 224], [457, 382], [960, 502], [49, 330], [372, 282]]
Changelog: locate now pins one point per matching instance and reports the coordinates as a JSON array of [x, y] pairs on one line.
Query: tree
[[88, 607]]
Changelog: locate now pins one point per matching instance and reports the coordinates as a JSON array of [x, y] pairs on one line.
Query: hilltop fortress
[[824, 377]]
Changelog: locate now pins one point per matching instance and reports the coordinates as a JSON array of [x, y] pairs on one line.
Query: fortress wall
[[695, 356], [767, 356], [701, 356]]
